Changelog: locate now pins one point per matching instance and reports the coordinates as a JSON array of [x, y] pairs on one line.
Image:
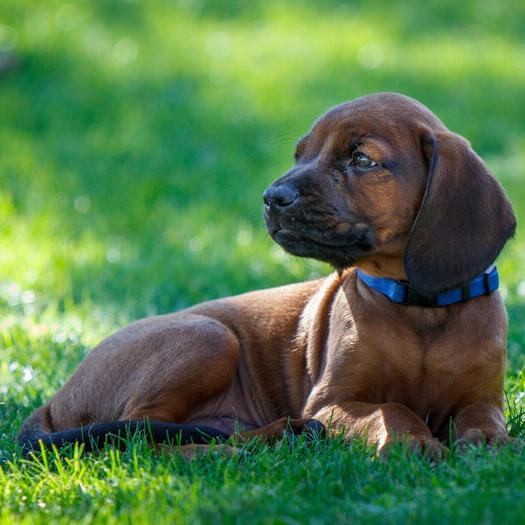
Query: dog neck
[[403, 293]]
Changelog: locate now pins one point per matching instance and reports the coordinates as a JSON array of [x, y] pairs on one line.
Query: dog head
[[380, 183]]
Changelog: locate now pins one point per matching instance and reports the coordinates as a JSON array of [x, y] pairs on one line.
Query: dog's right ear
[[464, 219]]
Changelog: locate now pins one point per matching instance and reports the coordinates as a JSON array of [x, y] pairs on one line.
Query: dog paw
[[428, 446], [314, 429], [310, 428], [476, 437]]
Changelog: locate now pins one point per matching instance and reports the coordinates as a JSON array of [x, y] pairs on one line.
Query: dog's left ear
[[464, 219]]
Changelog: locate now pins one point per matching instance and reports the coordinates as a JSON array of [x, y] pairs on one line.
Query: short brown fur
[[333, 349]]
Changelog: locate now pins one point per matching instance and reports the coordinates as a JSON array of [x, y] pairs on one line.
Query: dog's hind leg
[[157, 369], [198, 361]]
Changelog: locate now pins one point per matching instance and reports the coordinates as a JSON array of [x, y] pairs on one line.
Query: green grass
[[136, 139], [323, 482]]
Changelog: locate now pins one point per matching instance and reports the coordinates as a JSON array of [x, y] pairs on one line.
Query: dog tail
[[94, 436]]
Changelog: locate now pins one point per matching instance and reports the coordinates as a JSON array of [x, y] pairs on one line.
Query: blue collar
[[401, 292]]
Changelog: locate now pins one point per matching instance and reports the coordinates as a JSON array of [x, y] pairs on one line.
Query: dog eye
[[362, 161]]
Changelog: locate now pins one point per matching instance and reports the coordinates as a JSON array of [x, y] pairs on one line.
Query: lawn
[[136, 140]]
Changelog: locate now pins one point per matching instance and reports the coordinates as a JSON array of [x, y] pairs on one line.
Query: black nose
[[280, 196]]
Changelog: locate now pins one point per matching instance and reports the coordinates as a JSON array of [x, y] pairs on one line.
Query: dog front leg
[[480, 422], [381, 425]]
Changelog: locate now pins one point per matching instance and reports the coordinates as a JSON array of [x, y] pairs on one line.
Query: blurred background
[[137, 137]]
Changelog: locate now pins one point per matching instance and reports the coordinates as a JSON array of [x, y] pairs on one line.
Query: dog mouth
[[341, 246]]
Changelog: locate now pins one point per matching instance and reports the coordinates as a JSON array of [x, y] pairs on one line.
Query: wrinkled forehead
[[388, 115]]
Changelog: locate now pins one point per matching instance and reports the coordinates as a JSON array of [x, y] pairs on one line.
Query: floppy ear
[[464, 220]]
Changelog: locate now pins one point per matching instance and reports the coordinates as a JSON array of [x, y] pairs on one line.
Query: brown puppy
[[379, 185]]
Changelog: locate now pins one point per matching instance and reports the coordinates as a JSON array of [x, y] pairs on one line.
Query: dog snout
[[280, 197]]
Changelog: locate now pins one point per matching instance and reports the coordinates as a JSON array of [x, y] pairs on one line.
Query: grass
[[307, 483], [137, 139]]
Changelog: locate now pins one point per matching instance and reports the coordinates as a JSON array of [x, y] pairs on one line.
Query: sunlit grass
[[322, 482]]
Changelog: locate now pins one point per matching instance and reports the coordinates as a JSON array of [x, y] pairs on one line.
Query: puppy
[[406, 341]]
